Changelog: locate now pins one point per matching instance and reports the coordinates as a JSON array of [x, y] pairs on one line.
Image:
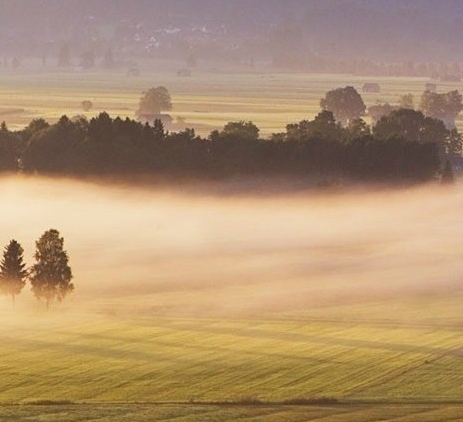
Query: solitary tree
[[86, 105], [345, 103], [152, 102], [12, 271], [51, 275]]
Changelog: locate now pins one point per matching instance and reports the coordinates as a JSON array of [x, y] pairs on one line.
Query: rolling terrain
[[207, 306]]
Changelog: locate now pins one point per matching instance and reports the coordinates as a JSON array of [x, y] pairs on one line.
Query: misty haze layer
[[173, 251], [374, 29]]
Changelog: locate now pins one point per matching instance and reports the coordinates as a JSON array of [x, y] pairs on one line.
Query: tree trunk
[[12, 300], [48, 303]]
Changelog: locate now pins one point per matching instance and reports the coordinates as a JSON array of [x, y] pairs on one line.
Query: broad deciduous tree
[[442, 106], [345, 103], [241, 130], [154, 101], [51, 275], [413, 126]]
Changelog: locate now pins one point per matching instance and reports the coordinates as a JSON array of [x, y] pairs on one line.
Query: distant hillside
[[392, 30]]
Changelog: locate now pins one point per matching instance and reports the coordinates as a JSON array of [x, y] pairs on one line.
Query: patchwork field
[[205, 101]]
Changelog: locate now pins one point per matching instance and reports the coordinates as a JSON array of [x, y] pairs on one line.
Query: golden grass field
[[205, 101], [196, 296], [396, 359]]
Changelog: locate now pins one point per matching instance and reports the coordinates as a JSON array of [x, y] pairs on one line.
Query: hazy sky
[[387, 30]]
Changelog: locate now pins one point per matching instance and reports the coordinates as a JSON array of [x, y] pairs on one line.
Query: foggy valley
[[189, 251], [231, 210]]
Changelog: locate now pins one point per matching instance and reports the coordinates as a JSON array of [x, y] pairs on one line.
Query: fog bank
[[172, 251]]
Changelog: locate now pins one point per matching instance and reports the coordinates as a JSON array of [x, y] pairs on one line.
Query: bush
[[86, 105]]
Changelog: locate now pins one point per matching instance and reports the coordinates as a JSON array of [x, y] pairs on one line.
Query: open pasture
[[186, 297], [101, 358], [391, 360], [205, 101]]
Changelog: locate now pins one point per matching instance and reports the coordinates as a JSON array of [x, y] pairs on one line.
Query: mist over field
[[260, 201], [192, 251]]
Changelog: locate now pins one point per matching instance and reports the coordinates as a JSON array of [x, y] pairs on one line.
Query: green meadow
[[390, 359]]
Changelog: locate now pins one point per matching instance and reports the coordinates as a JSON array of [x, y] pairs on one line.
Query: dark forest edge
[[402, 148]]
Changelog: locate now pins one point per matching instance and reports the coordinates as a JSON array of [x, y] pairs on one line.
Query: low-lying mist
[[178, 251]]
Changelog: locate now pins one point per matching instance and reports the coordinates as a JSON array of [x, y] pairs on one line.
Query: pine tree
[[51, 275], [12, 271]]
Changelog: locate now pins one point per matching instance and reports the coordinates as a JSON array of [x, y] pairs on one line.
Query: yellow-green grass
[[379, 356], [200, 413], [205, 101]]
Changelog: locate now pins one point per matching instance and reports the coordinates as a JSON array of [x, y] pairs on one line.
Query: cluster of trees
[[402, 145], [346, 104], [434, 122], [50, 276], [442, 106]]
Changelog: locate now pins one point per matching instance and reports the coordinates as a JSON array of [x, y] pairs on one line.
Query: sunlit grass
[[199, 413], [129, 357], [205, 101]]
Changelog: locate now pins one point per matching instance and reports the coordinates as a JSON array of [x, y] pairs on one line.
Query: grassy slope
[[152, 359], [396, 355]]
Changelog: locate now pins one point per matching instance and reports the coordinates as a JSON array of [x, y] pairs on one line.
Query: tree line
[[404, 145], [50, 276]]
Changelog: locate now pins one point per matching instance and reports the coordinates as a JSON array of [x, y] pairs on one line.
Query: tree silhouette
[[241, 130], [153, 102], [345, 103], [51, 275], [442, 106], [12, 271]]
